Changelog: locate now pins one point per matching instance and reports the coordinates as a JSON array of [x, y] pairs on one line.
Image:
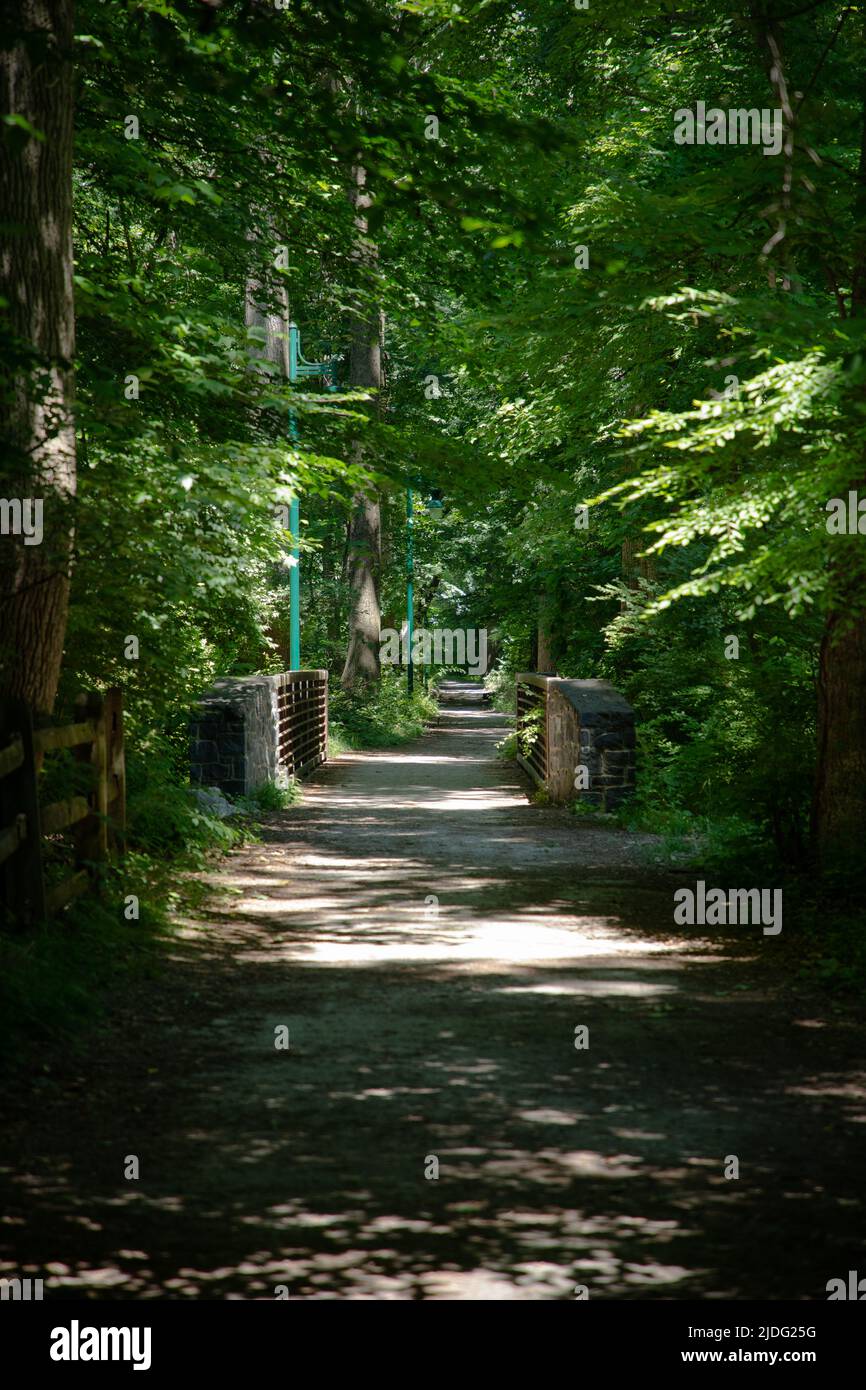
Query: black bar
[[651, 1336]]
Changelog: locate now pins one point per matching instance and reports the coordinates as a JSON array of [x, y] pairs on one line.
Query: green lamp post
[[410, 590], [300, 368]]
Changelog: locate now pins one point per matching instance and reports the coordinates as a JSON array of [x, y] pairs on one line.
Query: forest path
[[431, 941]]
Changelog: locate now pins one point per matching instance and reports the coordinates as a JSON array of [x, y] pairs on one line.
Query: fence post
[[115, 769], [22, 887], [91, 834]]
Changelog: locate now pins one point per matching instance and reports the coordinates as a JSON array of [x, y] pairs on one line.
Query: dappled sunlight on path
[[430, 941]]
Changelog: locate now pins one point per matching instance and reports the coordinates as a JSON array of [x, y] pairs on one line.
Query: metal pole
[[410, 591], [295, 528], [300, 367], [295, 587]]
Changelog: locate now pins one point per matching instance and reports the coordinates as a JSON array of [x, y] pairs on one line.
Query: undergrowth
[[379, 718], [57, 980]]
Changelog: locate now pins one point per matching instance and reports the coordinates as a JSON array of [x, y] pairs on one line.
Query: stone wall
[[588, 725], [234, 735]]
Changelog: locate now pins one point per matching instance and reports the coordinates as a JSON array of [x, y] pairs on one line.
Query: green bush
[[500, 682], [380, 716], [506, 748], [164, 817], [54, 981]]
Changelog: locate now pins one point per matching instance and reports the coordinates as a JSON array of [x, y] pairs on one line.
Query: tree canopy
[[628, 358]]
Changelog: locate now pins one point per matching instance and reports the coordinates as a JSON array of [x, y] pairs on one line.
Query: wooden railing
[[95, 820], [532, 736], [302, 705]]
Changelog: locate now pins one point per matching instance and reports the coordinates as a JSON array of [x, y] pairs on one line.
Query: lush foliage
[[379, 717], [633, 368]]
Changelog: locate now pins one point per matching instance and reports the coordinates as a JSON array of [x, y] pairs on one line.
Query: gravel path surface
[[431, 941]]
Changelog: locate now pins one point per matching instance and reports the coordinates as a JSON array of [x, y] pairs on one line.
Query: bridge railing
[[532, 725], [302, 712], [251, 730], [576, 738]]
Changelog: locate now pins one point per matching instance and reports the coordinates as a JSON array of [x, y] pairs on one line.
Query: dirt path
[[431, 942]]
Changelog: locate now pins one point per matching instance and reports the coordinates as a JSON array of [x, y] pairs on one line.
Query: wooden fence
[[96, 820]]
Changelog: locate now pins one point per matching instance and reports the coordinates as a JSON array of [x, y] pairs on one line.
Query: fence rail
[[96, 820], [302, 706], [532, 739]]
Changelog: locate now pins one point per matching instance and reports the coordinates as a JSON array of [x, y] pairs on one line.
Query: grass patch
[[272, 796], [54, 979]]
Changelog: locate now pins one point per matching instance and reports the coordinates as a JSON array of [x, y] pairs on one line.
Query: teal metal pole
[[410, 590], [294, 527], [295, 587], [300, 367]]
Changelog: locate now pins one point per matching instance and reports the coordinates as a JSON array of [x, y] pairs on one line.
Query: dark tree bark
[[364, 559], [363, 568], [636, 566], [37, 340], [839, 810], [839, 804], [839, 801], [543, 639], [332, 570]]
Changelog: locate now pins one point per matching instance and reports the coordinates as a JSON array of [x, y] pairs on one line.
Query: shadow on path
[[432, 941]]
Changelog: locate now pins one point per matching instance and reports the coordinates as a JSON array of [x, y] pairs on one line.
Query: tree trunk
[[545, 663], [37, 342], [363, 568], [258, 314], [330, 558], [839, 803], [364, 560], [839, 807], [634, 565]]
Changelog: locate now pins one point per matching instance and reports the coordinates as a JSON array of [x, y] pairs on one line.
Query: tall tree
[[37, 338], [839, 807], [364, 559]]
